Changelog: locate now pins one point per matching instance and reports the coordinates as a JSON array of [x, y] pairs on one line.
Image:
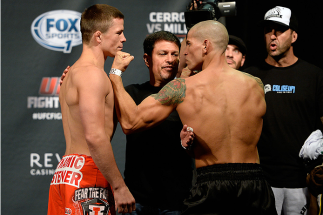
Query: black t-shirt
[[158, 171], [294, 98]]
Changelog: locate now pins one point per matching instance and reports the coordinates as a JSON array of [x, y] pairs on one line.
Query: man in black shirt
[[294, 98], [158, 171]]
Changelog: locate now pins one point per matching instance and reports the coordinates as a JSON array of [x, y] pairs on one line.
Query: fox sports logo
[[58, 30]]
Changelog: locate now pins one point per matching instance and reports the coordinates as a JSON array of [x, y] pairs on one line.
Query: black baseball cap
[[234, 40]]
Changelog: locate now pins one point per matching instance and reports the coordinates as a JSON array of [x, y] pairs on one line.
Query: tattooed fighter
[[225, 107]]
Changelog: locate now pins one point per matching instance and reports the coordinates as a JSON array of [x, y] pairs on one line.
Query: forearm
[[126, 108], [103, 157]]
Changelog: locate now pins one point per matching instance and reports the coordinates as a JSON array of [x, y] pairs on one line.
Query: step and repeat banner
[[39, 38]]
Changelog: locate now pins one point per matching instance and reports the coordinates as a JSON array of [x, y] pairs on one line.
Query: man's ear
[[147, 60], [243, 60], [294, 36], [206, 45], [97, 36]]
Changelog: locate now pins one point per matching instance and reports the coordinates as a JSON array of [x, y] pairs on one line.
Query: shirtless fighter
[[83, 179], [225, 108]]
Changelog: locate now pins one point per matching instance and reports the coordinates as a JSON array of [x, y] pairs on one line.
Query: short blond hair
[[213, 31]]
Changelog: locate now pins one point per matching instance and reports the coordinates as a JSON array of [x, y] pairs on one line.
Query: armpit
[[172, 93]]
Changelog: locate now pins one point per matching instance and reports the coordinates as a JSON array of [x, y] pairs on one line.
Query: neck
[[157, 83], [215, 60], [93, 55]]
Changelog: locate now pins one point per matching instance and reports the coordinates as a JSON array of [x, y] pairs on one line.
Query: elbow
[[126, 124], [127, 129], [132, 126], [126, 132], [93, 139]]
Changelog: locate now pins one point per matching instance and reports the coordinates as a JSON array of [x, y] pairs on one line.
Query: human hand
[[186, 73], [64, 74], [122, 60], [124, 201], [187, 137]]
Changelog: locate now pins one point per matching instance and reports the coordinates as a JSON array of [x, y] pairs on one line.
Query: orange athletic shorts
[[79, 188]]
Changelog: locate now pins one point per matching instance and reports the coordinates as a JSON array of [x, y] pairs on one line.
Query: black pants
[[233, 188]]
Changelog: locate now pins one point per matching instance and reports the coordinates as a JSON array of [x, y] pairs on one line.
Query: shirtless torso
[[71, 96], [226, 114]]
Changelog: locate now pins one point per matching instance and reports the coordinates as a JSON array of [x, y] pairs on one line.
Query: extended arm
[[93, 90], [150, 111]]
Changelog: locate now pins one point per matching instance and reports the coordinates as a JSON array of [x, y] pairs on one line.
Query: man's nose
[[170, 58], [123, 39], [228, 53], [273, 33]]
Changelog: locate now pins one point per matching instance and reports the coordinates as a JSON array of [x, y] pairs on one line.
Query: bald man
[[225, 107]]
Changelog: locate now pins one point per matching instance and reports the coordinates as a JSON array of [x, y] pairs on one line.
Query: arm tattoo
[[257, 79], [172, 93]]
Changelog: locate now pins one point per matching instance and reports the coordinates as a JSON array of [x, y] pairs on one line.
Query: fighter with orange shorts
[[87, 174]]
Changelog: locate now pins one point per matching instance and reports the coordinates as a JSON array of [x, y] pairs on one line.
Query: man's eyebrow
[[163, 50]]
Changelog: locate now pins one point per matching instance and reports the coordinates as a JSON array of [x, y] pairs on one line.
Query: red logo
[[49, 86], [96, 210]]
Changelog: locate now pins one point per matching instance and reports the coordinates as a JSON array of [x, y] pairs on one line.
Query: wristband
[[116, 72]]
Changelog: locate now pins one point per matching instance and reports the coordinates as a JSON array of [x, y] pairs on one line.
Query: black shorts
[[234, 188]]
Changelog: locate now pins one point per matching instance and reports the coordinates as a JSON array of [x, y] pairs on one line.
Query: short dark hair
[[98, 17], [150, 41]]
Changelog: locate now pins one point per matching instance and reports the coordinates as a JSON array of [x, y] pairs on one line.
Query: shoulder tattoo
[[172, 93], [257, 79]]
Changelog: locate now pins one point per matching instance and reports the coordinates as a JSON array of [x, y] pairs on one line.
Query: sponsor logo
[[91, 192], [267, 88], [173, 22], [42, 102], [68, 171], [49, 86], [95, 207], [47, 116], [279, 88], [43, 165], [275, 12], [68, 211], [58, 30], [49, 90], [304, 209], [93, 201]]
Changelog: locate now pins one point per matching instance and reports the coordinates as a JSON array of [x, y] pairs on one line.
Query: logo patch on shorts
[[95, 207], [68, 171], [93, 201], [68, 211]]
